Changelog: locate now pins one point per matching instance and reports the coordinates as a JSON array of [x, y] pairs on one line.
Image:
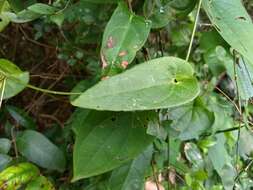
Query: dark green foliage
[[156, 95]]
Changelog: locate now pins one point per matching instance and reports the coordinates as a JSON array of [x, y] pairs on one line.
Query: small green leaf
[[42, 9], [106, 140], [193, 155], [38, 149], [158, 13], [124, 35], [15, 79], [16, 176], [21, 118], [58, 18], [246, 143], [4, 21], [22, 16], [4, 161], [191, 120], [5, 145], [218, 154], [217, 59], [222, 162], [159, 83], [182, 5], [40, 183], [228, 175], [232, 21]]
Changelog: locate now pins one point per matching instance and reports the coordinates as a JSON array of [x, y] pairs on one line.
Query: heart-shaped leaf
[[159, 83], [106, 140]]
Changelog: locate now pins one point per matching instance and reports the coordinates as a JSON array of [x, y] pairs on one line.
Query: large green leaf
[[106, 140], [15, 79], [233, 23], [159, 83], [16, 176], [38, 149], [5, 145], [131, 176], [124, 35]]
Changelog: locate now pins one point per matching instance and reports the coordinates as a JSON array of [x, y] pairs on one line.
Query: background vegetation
[[186, 120]]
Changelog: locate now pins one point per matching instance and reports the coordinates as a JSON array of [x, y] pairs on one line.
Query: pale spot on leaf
[[104, 63], [122, 53], [110, 42], [124, 64]]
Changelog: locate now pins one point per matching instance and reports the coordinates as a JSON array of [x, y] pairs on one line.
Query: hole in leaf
[[241, 18]]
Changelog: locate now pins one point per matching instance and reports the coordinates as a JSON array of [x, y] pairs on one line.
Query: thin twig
[[34, 41], [14, 141], [2, 91], [194, 31], [168, 161], [229, 99], [239, 105], [129, 2], [154, 174], [244, 170]]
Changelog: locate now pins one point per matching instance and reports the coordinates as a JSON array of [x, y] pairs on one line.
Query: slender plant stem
[[239, 105], [14, 141], [194, 30], [244, 170], [154, 175], [168, 161], [52, 91], [2, 91], [40, 89]]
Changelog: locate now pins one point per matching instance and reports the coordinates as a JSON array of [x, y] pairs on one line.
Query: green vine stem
[[2, 91], [52, 91], [194, 31]]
